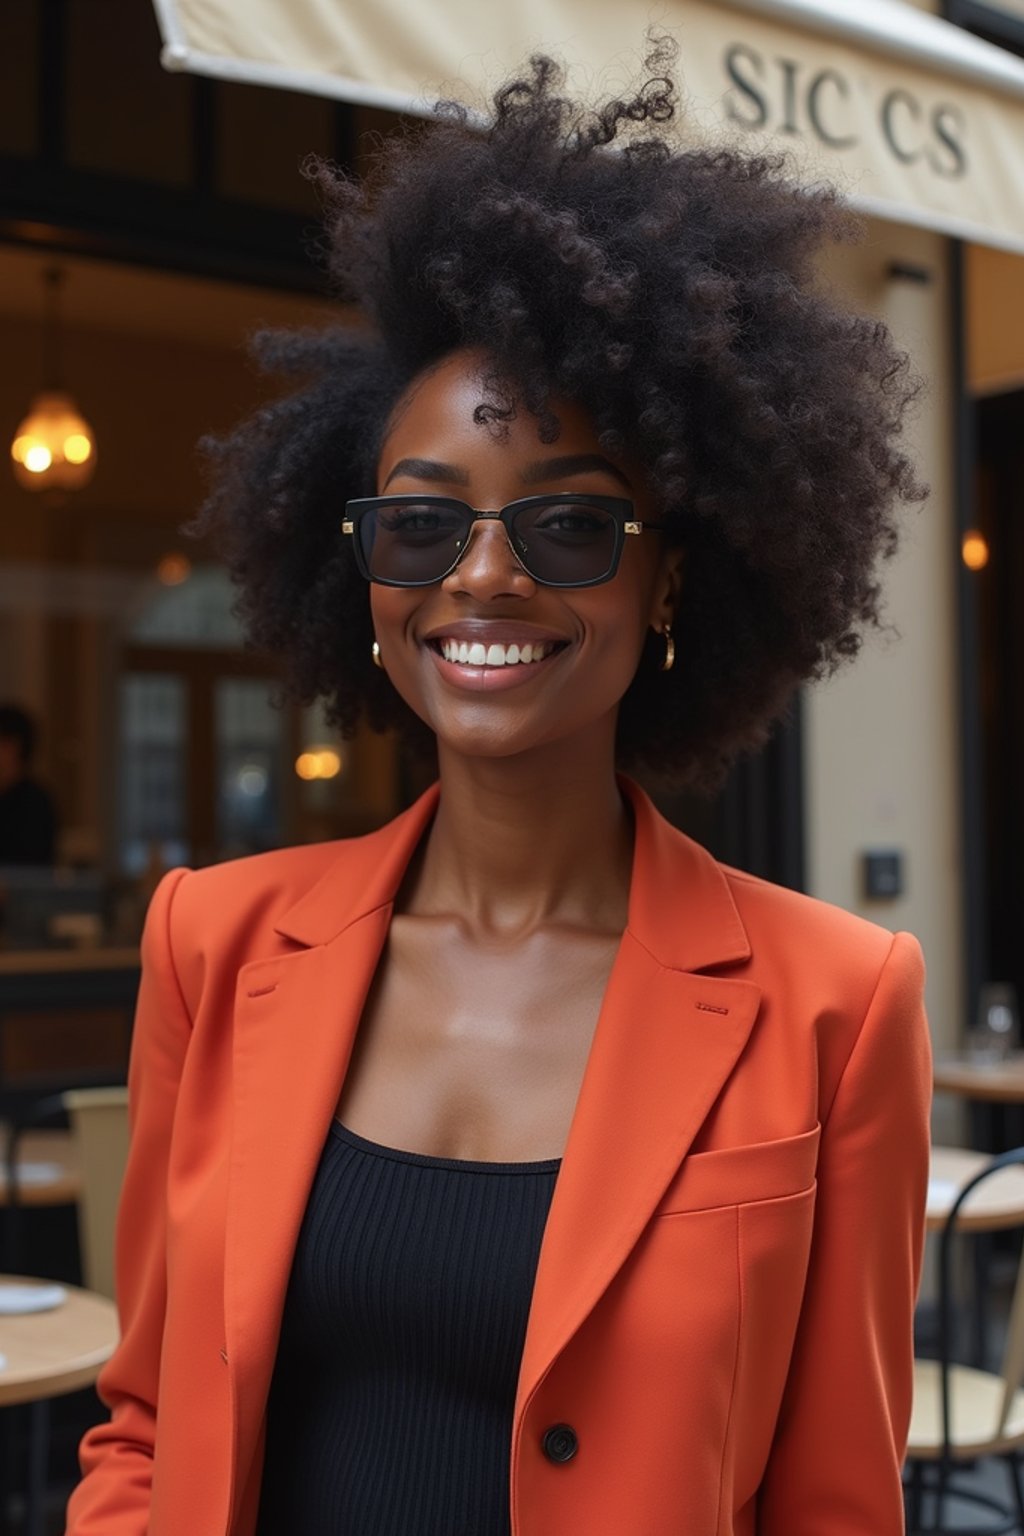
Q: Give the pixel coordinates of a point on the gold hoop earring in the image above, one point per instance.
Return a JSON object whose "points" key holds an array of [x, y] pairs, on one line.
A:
{"points": [[670, 649], [375, 652]]}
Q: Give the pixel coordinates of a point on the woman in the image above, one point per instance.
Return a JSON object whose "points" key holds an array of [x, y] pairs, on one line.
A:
{"points": [[518, 1167]]}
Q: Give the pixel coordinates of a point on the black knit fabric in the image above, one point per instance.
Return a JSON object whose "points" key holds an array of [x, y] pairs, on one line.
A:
{"points": [[390, 1409]]}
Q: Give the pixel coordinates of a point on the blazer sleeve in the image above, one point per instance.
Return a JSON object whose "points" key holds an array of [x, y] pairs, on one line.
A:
{"points": [[835, 1463], [116, 1457]]}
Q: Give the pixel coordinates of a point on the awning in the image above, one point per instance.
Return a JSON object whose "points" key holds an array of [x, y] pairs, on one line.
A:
{"points": [[915, 119]]}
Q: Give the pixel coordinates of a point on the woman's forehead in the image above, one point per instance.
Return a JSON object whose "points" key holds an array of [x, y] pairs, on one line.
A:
{"points": [[458, 412]]}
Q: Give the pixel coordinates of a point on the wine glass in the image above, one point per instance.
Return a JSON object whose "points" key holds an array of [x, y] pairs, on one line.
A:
{"points": [[996, 1032]]}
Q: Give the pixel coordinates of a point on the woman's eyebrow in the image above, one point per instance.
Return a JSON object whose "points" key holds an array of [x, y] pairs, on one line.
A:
{"points": [[429, 469], [572, 464]]}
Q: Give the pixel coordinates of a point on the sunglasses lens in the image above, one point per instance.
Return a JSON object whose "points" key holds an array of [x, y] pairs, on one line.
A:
{"points": [[565, 543], [411, 542], [561, 543]]}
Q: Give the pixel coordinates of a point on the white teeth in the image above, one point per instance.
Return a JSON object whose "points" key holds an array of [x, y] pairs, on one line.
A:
{"points": [[476, 654]]}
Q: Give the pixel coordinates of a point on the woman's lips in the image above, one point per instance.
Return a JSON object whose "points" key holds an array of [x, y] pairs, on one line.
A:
{"points": [[487, 679]]}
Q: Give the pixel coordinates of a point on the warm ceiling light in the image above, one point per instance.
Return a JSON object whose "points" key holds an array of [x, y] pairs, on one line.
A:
{"points": [[54, 447], [974, 550], [37, 457]]}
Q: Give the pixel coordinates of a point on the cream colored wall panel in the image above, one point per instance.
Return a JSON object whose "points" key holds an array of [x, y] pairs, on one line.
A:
{"points": [[995, 320], [881, 740]]}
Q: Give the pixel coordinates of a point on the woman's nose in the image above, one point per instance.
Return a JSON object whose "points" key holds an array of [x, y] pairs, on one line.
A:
{"points": [[489, 567]]}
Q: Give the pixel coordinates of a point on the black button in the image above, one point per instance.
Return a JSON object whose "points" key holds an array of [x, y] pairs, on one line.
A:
{"points": [[560, 1442]]}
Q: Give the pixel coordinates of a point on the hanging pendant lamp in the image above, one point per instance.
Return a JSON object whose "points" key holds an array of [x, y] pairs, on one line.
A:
{"points": [[54, 447]]}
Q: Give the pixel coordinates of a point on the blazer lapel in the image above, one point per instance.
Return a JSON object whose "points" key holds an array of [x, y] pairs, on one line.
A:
{"points": [[666, 1040], [295, 1021]]}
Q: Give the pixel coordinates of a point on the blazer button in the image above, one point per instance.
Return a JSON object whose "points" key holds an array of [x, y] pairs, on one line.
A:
{"points": [[560, 1442]]}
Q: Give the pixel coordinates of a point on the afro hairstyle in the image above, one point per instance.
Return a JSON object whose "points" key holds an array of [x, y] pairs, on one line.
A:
{"points": [[673, 293]]}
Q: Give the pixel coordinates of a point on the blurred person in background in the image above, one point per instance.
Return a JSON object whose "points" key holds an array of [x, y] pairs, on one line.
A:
{"points": [[28, 815]]}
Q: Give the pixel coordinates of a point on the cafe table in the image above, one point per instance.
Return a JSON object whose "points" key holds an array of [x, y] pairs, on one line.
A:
{"points": [[984, 1081], [44, 1354], [994, 1205]]}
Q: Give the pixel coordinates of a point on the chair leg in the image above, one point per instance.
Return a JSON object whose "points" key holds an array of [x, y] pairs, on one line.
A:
{"points": [[982, 1268], [941, 1481], [39, 1449], [914, 1497], [1014, 1468]]}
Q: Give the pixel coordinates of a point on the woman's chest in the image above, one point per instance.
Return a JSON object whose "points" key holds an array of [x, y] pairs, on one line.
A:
{"points": [[475, 1050]]}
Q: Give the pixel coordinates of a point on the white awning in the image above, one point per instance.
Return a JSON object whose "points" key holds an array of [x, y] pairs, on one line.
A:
{"points": [[915, 119]]}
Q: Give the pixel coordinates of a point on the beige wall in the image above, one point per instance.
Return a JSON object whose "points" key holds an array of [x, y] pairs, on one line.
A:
{"points": [[995, 320], [881, 738]]}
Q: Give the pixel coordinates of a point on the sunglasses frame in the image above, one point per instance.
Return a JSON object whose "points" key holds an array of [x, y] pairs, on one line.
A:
{"points": [[620, 508]]}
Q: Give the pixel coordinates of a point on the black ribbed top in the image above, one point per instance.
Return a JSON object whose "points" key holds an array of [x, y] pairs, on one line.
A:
{"points": [[390, 1410]]}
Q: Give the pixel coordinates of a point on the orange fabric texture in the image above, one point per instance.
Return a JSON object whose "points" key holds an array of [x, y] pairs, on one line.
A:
{"points": [[723, 1304]]}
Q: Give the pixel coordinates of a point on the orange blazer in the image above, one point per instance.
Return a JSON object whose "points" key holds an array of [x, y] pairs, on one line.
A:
{"points": [[723, 1304]]}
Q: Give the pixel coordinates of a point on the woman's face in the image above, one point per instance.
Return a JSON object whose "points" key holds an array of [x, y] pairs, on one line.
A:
{"points": [[595, 634]]}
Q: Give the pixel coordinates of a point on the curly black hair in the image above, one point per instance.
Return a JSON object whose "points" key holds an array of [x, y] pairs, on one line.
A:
{"points": [[670, 292]]}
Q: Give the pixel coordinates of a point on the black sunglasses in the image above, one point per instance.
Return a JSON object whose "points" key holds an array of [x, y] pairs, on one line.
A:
{"points": [[561, 541]]}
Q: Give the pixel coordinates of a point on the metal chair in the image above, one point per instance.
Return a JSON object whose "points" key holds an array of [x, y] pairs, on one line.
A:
{"points": [[98, 1120], [961, 1413]]}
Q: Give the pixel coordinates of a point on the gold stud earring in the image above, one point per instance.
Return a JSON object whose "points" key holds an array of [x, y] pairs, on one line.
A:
{"points": [[375, 651], [670, 648]]}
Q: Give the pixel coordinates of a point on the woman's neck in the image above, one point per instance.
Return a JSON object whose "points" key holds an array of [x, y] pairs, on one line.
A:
{"points": [[524, 841]]}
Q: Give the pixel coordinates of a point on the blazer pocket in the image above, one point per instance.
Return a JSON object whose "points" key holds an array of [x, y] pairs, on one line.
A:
{"points": [[765, 1170]]}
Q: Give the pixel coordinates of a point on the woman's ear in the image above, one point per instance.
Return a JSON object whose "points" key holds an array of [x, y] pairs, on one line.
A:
{"points": [[668, 586]]}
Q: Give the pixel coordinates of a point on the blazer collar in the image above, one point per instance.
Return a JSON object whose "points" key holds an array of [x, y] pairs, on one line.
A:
{"points": [[681, 907]]}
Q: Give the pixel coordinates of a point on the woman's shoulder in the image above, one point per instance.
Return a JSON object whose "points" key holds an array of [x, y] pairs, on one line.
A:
{"points": [[237, 908], [820, 932]]}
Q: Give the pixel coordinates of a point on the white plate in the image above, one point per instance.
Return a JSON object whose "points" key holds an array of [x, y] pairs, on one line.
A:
{"points": [[38, 1174], [16, 1299]]}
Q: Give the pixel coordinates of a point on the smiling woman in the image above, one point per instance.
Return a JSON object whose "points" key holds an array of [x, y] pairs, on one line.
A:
{"points": [[518, 1168]]}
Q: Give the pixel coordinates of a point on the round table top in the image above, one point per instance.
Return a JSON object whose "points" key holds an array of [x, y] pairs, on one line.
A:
{"points": [[997, 1203], [49, 1353], [997, 1081]]}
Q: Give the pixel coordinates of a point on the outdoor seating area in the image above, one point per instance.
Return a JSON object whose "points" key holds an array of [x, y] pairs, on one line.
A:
{"points": [[54, 1335]]}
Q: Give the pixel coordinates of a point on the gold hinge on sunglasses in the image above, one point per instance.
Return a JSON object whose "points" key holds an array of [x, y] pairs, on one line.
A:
{"points": [[632, 527], [347, 527]]}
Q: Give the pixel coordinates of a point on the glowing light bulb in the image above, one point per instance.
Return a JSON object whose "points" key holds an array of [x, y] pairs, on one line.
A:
{"points": [[318, 763], [974, 550], [54, 446]]}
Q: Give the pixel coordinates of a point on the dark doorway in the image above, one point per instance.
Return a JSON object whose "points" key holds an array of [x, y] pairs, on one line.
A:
{"points": [[999, 502], [755, 822]]}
